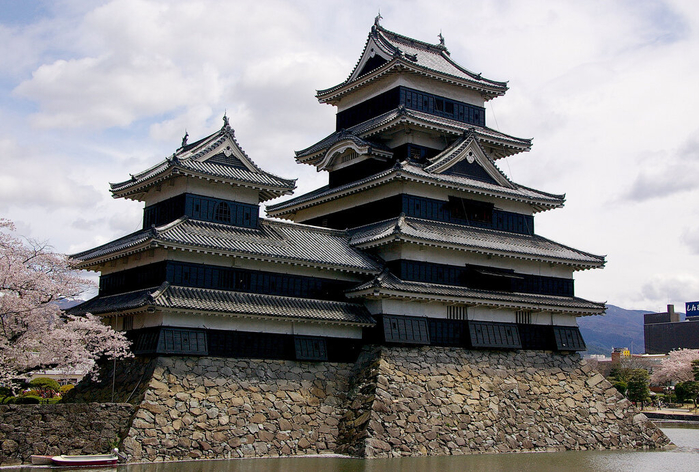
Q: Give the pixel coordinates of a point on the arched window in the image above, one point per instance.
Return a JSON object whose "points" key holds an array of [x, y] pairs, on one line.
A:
{"points": [[222, 213]]}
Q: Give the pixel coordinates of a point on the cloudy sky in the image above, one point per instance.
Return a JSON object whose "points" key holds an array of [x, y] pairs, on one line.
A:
{"points": [[91, 91]]}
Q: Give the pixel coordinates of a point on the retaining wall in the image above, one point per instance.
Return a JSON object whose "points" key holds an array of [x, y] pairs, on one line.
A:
{"points": [[60, 429], [395, 401]]}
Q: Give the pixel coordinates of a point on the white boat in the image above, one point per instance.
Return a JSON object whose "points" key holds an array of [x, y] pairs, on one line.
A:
{"points": [[88, 459]]}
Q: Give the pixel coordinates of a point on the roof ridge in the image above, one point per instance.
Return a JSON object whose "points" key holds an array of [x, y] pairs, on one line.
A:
{"points": [[411, 41]]}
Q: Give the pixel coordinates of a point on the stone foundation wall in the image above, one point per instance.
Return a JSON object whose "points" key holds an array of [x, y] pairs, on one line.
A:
{"points": [[392, 402], [60, 429], [441, 401], [213, 408]]}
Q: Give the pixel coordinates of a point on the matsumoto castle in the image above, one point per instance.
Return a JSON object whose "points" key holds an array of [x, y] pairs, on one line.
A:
{"points": [[418, 238]]}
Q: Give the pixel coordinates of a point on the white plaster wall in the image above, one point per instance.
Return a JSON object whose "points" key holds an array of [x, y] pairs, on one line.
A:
{"points": [[439, 310], [412, 188], [135, 260], [159, 255], [194, 320], [207, 188], [423, 253], [413, 81], [230, 261]]}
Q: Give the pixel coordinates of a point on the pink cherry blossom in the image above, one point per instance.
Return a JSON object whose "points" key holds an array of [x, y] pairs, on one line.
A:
{"points": [[676, 367], [34, 333]]}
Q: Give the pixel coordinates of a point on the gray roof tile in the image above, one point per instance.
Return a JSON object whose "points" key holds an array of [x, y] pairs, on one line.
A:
{"points": [[229, 303], [388, 285], [188, 161], [430, 58], [509, 144], [469, 238], [409, 171], [272, 240]]}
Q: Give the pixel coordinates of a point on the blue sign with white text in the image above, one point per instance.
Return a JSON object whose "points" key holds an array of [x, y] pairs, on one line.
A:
{"points": [[692, 308]]}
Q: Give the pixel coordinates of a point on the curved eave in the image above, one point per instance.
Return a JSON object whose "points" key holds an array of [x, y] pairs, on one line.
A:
{"points": [[384, 240], [256, 316], [156, 304], [506, 145], [136, 191], [93, 263], [401, 65], [262, 258], [500, 145], [123, 313], [283, 210], [377, 293]]}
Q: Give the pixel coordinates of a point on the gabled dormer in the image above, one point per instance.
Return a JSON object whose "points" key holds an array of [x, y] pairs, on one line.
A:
{"points": [[466, 157], [390, 59], [212, 179]]}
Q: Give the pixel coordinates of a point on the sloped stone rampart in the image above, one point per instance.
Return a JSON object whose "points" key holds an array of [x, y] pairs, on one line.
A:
{"points": [[60, 429], [441, 401], [213, 408], [394, 401]]}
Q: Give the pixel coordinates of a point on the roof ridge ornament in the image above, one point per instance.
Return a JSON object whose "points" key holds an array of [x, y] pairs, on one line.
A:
{"points": [[184, 138], [441, 38], [225, 120]]}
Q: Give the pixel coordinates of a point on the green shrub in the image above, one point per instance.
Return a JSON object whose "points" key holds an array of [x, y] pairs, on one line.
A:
{"points": [[26, 400], [46, 387]]}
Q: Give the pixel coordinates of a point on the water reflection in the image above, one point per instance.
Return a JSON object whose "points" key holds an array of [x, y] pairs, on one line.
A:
{"points": [[684, 458]]}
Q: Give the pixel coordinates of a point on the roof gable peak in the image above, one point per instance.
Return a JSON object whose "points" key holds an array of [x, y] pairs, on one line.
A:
{"points": [[221, 147], [468, 149]]}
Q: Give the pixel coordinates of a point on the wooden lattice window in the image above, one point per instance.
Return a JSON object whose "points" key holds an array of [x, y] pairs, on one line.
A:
{"points": [[222, 213], [406, 329], [310, 349], [494, 335], [568, 338], [524, 316], [457, 312]]}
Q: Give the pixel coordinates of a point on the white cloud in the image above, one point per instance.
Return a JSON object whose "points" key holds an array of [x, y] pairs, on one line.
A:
{"points": [[35, 178], [603, 87], [670, 287]]}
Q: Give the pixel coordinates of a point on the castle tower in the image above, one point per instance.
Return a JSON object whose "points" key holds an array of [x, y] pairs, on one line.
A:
{"points": [[207, 276], [413, 178]]}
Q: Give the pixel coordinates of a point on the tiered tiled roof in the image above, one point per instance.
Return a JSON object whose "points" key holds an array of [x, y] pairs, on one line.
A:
{"points": [[228, 303], [219, 158], [408, 171], [274, 241], [498, 144], [413, 56], [471, 239], [388, 285]]}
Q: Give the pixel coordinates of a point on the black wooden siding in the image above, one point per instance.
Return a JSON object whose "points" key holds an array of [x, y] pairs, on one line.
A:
{"points": [[413, 100], [240, 344], [481, 277], [221, 278], [201, 208], [391, 329], [407, 330], [456, 211]]}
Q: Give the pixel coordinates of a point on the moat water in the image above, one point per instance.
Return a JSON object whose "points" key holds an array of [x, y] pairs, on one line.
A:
{"points": [[684, 458]]}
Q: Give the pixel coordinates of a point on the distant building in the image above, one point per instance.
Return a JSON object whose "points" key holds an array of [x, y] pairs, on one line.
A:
{"points": [[622, 358], [664, 332]]}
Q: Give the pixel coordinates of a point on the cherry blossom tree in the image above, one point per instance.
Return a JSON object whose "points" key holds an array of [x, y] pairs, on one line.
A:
{"points": [[676, 367], [34, 333]]}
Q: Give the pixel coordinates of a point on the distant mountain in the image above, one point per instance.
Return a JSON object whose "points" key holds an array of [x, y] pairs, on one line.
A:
{"points": [[618, 328]]}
